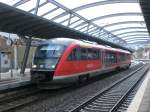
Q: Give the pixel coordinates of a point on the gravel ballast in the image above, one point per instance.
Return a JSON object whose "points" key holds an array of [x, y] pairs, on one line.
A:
{"points": [[67, 98]]}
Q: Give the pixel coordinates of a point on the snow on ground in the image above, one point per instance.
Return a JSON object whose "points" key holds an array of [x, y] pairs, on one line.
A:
{"points": [[14, 74]]}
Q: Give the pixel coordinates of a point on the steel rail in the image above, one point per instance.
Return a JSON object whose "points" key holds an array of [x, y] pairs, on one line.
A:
{"points": [[122, 99], [102, 92]]}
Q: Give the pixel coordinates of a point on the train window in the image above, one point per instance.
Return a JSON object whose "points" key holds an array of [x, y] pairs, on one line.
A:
{"points": [[123, 57], [111, 58], [90, 54], [93, 54], [84, 53], [49, 51], [102, 55], [74, 54]]}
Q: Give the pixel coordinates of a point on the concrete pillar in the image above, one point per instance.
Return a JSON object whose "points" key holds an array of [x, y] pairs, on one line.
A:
{"points": [[15, 57]]}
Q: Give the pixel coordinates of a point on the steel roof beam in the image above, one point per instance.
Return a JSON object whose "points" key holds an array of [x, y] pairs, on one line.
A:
{"points": [[146, 12], [130, 32], [96, 32], [66, 19], [136, 35], [83, 23], [93, 31], [71, 11], [39, 6], [82, 27], [97, 4], [137, 38], [126, 28], [46, 13], [27, 31], [75, 22], [117, 14], [138, 41], [20, 3], [103, 3], [124, 22]]}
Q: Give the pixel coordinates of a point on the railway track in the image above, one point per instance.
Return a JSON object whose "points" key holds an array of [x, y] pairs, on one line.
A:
{"points": [[10, 103], [111, 98], [24, 98], [14, 99]]}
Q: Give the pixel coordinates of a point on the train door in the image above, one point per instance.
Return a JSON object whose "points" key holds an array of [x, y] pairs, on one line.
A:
{"points": [[103, 58], [72, 64], [77, 63]]}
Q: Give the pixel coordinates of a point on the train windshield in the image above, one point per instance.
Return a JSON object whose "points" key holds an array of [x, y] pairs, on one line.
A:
{"points": [[49, 51]]}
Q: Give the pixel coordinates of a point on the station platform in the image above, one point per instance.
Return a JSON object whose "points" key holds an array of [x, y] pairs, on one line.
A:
{"points": [[141, 101], [13, 83], [17, 80]]}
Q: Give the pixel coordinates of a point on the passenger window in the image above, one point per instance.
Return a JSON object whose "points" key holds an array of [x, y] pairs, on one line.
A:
{"points": [[93, 54], [111, 58], [73, 55], [84, 55]]}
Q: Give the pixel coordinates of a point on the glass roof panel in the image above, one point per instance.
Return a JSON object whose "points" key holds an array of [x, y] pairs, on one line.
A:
{"points": [[84, 29], [43, 1], [53, 14], [91, 12], [82, 26], [65, 23], [45, 8], [76, 3], [125, 25], [74, 19], [9, 2], [147, 36], [133, 34], [62, 18], [28, 5], [135, 41], [116, 19], [88, 13], [77, 23], [128, 30]]}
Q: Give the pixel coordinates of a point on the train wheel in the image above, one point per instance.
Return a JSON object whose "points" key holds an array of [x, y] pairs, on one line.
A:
{"points": [[83, 78]]}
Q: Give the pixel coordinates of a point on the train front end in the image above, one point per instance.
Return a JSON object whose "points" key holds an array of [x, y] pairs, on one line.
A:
{"points": [[45, 61]]}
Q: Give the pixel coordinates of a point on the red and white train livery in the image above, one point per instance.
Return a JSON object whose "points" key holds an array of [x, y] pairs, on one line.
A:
{"points": [[63, 60]]}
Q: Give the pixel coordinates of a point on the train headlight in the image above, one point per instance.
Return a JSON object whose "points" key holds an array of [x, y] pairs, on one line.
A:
{"points": [[53, 66], [34, 66]]}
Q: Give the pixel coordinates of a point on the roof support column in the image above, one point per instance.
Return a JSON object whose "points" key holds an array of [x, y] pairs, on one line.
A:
{"points": [[87, 30], [69, 21], [26, 54], [37, 7], [99, 34], [28, 44]]}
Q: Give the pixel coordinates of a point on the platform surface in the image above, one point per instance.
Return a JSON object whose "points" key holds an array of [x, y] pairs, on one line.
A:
{"points": [[145, 103], [13, 79], [13, 83], [141, 101]]}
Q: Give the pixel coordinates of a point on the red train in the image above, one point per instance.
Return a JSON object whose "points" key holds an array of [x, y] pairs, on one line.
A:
{"points": [[63, 60]]}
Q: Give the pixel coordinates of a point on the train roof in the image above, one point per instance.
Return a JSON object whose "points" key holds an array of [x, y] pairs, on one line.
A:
{"points": [[68, 41]]}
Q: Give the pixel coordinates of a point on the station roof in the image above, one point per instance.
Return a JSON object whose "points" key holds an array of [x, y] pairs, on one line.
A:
{"points": [[145, 5], [112, 21], [22, 23]]}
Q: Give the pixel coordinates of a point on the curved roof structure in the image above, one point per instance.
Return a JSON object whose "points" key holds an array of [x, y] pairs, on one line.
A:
{"points": [[117, 21]]}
